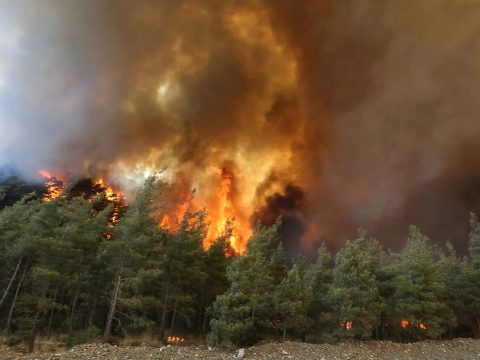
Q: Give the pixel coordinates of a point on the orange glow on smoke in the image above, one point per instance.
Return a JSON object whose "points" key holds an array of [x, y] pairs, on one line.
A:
{"points": [[45, 174]]}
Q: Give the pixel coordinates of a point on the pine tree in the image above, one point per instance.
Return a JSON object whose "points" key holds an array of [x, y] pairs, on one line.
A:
{"points": [[292, 300], [13, 254], [216, 262], [418, 292], [474, 242], [245, 308], [279, 264], [320, 276], [183, 275], [472, 275], [355, 297], [79, 239], [453, 274], [126, 252], [39, 243]]}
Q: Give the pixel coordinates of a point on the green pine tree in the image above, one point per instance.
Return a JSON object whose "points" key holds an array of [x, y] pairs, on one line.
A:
{"points": [[355, 296], [419, 291]]}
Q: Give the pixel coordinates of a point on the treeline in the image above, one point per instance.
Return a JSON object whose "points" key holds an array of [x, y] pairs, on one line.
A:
{"points": [[64, 270]]}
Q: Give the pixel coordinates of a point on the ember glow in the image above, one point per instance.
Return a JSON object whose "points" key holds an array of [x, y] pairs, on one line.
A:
{"points": [[347, 325], [405, 324], [175, 340]]}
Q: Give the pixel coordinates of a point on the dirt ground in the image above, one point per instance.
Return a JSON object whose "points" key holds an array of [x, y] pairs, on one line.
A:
{"points": [[457, 349]]}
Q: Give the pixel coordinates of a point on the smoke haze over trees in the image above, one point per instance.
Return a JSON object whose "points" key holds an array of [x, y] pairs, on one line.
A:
{"points": [[366, 109]]}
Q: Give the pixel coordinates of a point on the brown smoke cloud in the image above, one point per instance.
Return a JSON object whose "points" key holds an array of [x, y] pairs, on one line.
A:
{"points": [[334, 114]]}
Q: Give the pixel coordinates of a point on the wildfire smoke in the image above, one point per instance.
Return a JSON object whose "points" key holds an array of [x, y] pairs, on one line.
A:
{"points": [[333, 115]]}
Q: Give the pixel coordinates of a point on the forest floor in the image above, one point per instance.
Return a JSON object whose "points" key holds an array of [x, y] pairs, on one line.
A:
{"points": [[457, 349]]}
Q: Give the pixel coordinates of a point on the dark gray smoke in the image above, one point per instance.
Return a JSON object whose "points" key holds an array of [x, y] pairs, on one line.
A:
{"points": [[369, 108]]}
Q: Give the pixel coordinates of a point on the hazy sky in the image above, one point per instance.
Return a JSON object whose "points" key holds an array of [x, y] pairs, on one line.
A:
{"points": [[336, 114]]}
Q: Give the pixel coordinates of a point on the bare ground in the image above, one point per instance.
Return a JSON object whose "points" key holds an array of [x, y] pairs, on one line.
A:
{"points": [[457, 349]]}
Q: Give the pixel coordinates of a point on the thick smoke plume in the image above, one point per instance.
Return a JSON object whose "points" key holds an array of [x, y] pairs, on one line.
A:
{"points": [[333, 114]]}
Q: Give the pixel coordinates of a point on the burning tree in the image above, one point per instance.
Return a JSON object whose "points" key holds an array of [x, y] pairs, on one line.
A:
{"points": [[246, 307], [134, 238], [355, 295], [419, 292], [59, 274]]}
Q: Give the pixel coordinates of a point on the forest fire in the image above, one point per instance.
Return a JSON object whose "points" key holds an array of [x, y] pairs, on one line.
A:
{"points": [[175, 339], [225, 214], [221, 212], [110, 193], [347, 325], [220, 207], [54, 186], [405, 324]]}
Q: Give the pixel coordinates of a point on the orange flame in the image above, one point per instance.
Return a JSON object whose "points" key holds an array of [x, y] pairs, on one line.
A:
{"points": [[225, 213], [220, 207], [114, 196], [184, 200], [405, 323], [110, 193], [348, 324], [54, 186], [174, 339]]}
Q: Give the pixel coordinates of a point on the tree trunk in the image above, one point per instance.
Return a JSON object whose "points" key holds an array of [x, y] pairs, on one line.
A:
{"points": [[12, 279], [31, 339], [284, 330], [173, 316], [204, 325], [478, 327], [254, 296], [164, 316], [17, 291], [72, 314], [50, 320], [36, 321], [91, 313], [113, 304]]}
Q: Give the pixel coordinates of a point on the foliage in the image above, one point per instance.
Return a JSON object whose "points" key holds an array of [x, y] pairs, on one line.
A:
{"points": [[60, 274]]}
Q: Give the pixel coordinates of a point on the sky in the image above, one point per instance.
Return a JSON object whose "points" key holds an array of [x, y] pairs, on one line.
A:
{"points": [[334, 115]]}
